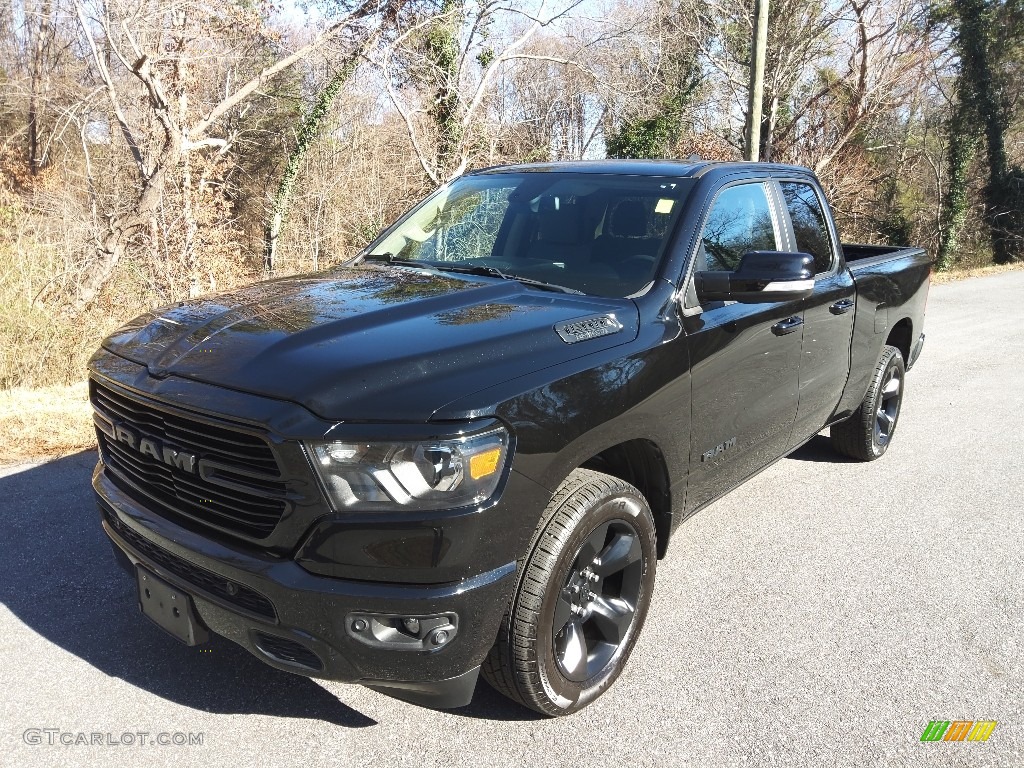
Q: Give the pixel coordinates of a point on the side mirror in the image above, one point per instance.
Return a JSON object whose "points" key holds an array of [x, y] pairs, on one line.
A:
{"points": [[762, 277]]}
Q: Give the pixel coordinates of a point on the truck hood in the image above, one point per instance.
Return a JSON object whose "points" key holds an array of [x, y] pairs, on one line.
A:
{"points": [[370, 343]]}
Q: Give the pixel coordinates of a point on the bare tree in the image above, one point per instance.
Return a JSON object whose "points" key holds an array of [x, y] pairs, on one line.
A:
{"points": [[155, 50], [886, 62], [441, 74], [38, 78]]}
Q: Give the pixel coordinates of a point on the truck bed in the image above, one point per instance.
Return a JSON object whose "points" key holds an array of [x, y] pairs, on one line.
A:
{"points": [[859, 255], [892, 288]]}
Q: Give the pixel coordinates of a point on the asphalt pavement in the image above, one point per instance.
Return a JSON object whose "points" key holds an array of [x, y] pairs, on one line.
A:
{"points": [[821, 615]]}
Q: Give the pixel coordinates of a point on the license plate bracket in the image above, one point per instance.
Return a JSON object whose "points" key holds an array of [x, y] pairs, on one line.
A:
{"points": [[169, 608]]}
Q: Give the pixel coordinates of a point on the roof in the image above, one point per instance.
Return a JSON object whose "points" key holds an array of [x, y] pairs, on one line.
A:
{"points": [[694, 167]]}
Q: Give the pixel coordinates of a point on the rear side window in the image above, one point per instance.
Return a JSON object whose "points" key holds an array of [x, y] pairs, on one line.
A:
{"points": [[808, 223], [740, 221]]}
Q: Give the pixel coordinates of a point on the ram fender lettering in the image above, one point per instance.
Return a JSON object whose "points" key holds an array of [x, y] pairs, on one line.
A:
{"points": [[718, 450]]}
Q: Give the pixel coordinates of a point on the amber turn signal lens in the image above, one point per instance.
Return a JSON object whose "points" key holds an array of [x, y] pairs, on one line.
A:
{"points": [[484, 464]]}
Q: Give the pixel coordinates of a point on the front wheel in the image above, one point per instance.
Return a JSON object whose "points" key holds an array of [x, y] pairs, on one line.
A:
{"points": [[582, 597], [866, 435]]}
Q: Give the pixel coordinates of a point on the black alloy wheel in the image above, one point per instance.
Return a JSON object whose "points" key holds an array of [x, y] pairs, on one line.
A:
{"points": [[597, 603], [890, 395], [867, 434], [582, 595]]}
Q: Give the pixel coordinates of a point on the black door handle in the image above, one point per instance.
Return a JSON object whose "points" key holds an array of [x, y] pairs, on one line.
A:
{"points": [[788, 325], [842, 307]]}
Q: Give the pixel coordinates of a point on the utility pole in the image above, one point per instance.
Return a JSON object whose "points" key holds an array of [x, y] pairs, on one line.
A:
{"points": [[756, 91]]}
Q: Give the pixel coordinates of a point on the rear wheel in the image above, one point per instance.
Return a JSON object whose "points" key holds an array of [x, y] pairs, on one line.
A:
{"points": [[582, 597], [866, 435]]}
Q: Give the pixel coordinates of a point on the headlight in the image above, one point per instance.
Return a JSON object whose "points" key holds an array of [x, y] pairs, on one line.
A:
{"points": [[421, 475]]}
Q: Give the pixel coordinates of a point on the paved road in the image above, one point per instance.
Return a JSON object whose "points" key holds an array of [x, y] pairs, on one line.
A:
{"points": [[820, 615]]}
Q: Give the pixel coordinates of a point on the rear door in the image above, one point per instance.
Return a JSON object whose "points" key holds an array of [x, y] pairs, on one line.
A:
{"points": [[744, 357], [828, 313]]}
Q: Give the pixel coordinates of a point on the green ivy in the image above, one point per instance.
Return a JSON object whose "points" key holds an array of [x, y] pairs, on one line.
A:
{"points": [[305, 137], [989, 33], [442, 47], [654, 137], [896, 227]]}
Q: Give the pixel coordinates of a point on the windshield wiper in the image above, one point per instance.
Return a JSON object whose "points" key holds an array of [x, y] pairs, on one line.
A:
{"points": [[489, 271], [389, 258]]}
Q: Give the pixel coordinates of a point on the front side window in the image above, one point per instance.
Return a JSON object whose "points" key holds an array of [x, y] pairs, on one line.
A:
{"points": [[740, 221], [809, 225]]}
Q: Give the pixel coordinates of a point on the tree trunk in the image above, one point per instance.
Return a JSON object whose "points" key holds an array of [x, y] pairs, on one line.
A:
{"points": [[963, 144], [443, 51], [36, 86], [979, 75], [120, 230], [310, 128]]}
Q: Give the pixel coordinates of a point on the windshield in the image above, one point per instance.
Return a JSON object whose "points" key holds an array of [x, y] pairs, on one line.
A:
{"points": [[599, 234]]}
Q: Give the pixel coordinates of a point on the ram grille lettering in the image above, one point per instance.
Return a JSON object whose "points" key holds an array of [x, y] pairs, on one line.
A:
{"points": [[148, 446]]}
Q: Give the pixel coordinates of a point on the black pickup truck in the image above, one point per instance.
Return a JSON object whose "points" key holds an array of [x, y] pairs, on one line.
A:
{"points": [[467, 448]]}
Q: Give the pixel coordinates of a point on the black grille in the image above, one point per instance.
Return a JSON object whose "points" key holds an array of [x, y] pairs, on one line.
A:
{"points": [[249, 498], [283, 649], [225, 589]]}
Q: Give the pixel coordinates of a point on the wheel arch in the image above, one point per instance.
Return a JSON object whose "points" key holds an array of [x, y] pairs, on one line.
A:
{"points": [[641, 463], [901, 336]]}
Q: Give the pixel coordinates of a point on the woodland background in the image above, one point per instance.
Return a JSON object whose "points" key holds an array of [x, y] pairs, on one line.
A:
{"points": [[156, 151]]}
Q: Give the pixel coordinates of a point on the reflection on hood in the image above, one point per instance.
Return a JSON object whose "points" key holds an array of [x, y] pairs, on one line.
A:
{"points": [[372, 343]]}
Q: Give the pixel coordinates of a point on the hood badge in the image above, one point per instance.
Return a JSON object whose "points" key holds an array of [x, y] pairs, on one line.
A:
{"points": [[590, 327]]}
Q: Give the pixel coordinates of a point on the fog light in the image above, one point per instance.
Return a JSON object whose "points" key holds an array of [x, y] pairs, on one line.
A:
{"points": [[397, 632], [412, 625]]}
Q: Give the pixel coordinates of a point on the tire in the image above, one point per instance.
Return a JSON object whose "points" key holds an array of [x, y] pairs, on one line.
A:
{"points": [[574, 620], [867, 434]]}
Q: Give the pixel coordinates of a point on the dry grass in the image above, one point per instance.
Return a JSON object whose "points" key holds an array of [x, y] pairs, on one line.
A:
{"points": [[44, 423], [952, 275]]}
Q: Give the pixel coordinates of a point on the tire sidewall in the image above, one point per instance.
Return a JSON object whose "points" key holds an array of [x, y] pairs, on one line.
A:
{"points": [[895, 361], [564, 694]]}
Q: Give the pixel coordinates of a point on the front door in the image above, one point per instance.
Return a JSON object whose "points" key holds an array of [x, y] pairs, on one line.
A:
{"points": [[744, 358]]}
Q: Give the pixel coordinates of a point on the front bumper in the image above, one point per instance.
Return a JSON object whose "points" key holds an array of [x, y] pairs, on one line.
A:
{"points": [[299, 622]]}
